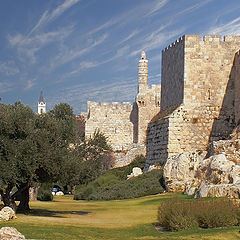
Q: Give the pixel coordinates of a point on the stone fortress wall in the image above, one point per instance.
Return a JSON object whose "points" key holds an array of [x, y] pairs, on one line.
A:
{"points": [[199, 96], [117, 121], [125, 124]]}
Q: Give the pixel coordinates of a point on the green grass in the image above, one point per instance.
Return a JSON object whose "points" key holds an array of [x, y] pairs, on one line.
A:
{"points": [[127, 219]]}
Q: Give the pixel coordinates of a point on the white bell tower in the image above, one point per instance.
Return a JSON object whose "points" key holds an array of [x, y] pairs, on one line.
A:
{"points": [[41, 104]]}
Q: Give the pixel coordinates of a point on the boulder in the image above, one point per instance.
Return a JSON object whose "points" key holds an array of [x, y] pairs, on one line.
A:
{"points": [[213, 176], [10, 233], [220, 190], [7, 213], [180, 169], [136, 171]]}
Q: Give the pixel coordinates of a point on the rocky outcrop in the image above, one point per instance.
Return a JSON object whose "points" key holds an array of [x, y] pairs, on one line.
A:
{"points": [[125, 157], [180, 170], [10, 233], [204, 175], [7, 213]]}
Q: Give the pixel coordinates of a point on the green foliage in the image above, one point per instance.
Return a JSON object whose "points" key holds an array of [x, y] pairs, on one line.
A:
{"points": [[44, 192], [179, 214], [111, 187], [34, 147], [106, 181], [63, 113], [122, 172], [96, 157]]}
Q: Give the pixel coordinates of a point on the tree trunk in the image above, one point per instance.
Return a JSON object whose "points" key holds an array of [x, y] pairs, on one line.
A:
{"points": [[7, 199], [24, 200]]}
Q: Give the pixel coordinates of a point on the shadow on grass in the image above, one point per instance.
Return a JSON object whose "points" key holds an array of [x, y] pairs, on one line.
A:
{"points": [[48, 213]]}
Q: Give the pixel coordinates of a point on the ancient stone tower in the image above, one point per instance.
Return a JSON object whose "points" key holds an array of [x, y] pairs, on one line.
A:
{"points": [[148, 99], [41, 104], [125, 124], [199, 96]]}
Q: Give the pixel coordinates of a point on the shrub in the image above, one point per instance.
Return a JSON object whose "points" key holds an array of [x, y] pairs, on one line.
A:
{"points": [[113, 181], [45, 192], [143, 185], [84, 191], [177, 214]]}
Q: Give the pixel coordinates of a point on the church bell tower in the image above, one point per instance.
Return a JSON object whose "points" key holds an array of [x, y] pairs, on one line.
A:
{"points": [[41, 104]]}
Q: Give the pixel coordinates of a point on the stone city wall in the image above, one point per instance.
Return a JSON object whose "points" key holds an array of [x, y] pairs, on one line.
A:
{"points": [[207, 110], [114, 120]]}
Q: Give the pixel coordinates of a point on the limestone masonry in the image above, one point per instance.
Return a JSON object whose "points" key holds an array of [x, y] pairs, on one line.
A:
{"points": [[125, 124], [198, 101]]}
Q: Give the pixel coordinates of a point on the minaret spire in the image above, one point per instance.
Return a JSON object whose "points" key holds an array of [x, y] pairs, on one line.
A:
{"points": [[143, 72]]}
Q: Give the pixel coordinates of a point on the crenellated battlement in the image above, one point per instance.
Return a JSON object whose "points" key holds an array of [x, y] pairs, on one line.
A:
{"points": [[109, 107], [107, 104], [205, 39], [175, 44]]}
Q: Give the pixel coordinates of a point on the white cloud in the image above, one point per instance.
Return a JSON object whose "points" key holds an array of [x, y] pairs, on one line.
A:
{"points": [[229, 28], [118, 90], [6, 87], [156, 7], [146, 9], [30, 84], [67, 55], [155, 40], [194, 7], [48, 17], [27, 47], [130, 36], [8, 68]]}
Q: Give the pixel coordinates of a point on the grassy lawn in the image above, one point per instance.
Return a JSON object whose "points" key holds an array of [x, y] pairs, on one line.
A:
{"points": [[65, 218]]}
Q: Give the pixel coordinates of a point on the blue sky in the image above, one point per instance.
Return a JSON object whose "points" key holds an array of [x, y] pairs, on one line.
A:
{"points": [[80, 50]]}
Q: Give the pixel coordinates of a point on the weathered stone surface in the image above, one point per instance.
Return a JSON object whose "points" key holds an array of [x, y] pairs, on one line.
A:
{"points": [[123, 158], [199, 96], [10, 233], [7, 213], [220, 190], [125, 124], [216, 175], [180, 170]]}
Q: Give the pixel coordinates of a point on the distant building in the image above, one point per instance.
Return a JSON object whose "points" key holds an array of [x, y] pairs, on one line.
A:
{"points": [[41, 104]]}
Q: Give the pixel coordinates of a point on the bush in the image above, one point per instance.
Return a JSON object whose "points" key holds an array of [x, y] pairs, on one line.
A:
{"points": [[177, 214], [83, 192], [45, 192], [143, 185], [114, 180]]}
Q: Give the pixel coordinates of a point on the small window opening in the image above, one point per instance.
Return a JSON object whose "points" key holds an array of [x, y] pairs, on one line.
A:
{"points": [[209, 94]]}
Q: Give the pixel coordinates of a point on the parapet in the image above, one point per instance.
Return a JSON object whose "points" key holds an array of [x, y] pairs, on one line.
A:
{"points": [[207, 38], [107, 106], [176, 43]]}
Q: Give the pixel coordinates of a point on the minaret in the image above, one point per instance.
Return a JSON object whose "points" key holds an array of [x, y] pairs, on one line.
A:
{"points": [[41, 104], [142, 73]]}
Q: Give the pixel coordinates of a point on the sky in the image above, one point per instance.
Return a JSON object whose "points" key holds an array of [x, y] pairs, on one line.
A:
{"points": [[88, 50]]}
